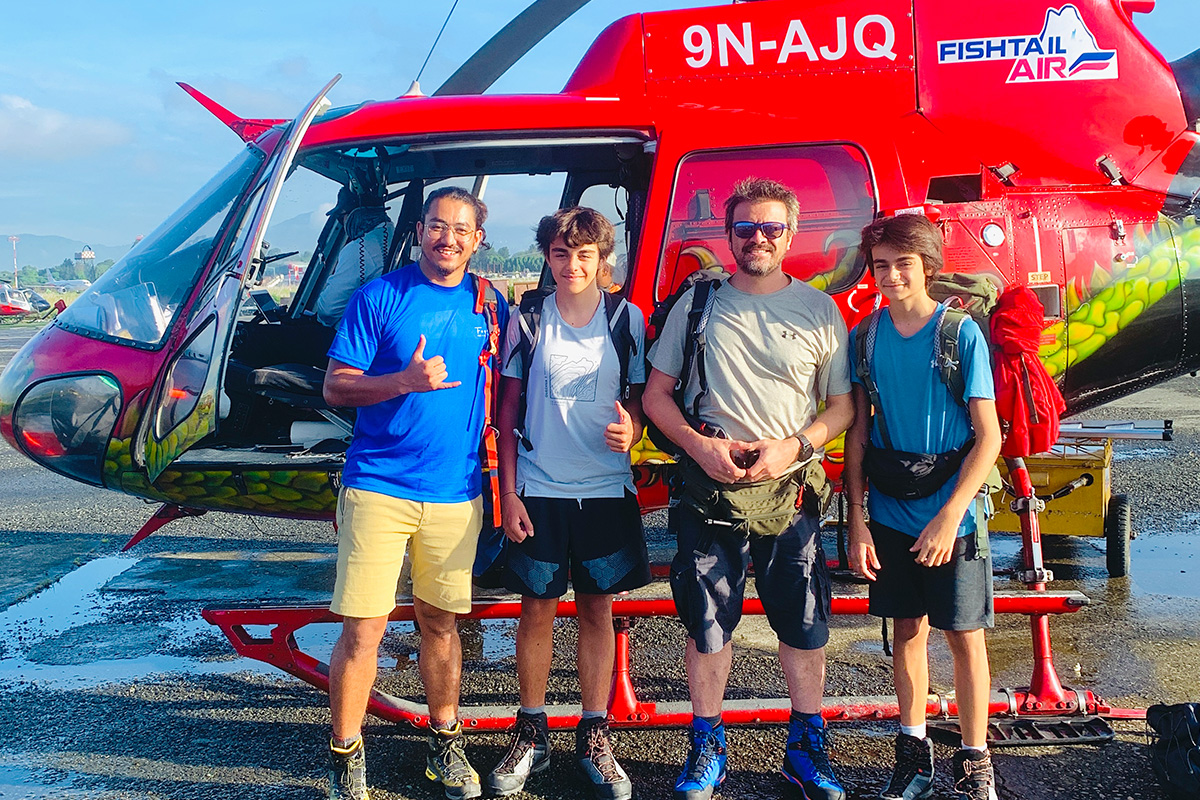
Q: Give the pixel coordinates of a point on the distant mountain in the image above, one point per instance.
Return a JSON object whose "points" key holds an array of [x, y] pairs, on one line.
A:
{"points": [[42, 252]]}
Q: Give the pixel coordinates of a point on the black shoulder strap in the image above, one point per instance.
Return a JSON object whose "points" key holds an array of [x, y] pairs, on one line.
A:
{"points": [[616, 310], [703, 294], [864, 348], [529, 316]]}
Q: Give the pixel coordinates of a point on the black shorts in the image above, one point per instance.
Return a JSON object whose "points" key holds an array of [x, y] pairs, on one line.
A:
{"points": [[597, 541], [790, 574], [956, 596]]}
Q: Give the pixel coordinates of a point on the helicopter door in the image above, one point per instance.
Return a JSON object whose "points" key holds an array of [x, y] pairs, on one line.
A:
{"points": [[184, 408]]}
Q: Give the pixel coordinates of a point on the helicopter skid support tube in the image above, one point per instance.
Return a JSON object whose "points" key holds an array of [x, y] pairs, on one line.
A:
{"points": [[280, 649]]}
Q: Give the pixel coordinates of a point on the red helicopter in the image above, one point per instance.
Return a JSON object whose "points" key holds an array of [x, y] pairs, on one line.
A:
{"points": [[1054, 146]]}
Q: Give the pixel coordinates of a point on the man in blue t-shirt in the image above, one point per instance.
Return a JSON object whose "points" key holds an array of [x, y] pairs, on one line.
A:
{"points": [[407, 355], [924, 555]]}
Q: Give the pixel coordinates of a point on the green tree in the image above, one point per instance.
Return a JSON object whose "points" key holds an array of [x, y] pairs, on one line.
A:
{"points": [[29, 276], [65, 271], [99, 269]]}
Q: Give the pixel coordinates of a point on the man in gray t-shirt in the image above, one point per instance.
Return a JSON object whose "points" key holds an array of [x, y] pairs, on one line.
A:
{"points": [[774, 349]]}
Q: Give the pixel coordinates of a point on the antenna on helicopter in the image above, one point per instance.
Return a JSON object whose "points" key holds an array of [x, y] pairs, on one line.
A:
{"points": [[415, 89]]}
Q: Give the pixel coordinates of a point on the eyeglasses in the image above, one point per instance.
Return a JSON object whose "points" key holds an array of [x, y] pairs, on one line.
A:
{"points": [[771, 230], [460, 231]]}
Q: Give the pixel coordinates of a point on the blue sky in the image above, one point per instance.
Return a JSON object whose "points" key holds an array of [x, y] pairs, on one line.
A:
{"points": [[97, 143]]}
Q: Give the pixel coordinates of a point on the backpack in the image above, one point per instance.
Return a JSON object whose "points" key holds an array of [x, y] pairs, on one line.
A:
{"points": [[967, 296], [705, 283], [946, 357], [616, 310], [1174, 750]]}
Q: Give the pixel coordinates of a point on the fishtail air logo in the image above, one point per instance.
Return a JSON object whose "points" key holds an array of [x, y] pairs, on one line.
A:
{"points": [[1065, 50]]}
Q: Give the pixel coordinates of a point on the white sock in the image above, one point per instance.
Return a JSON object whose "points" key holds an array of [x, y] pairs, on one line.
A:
{"points": [[916, 731], [981, 749]]}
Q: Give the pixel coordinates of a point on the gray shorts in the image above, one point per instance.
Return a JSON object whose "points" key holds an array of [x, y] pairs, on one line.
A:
{"points": [[708, 580], [956, 596]]}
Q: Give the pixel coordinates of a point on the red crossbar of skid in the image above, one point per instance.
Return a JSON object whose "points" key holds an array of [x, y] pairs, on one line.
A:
{"points": [[1044, 696], [625, 709]]}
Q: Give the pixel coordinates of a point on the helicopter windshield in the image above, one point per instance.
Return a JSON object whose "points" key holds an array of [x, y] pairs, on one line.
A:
{"points": [[139, 297]]}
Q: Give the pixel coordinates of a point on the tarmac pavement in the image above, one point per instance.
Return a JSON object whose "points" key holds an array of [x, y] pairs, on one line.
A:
{"points": [[112, 686]]}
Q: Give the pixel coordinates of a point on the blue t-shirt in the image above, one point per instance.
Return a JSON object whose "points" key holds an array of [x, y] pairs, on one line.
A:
{"points": [[922, 415], [422, 446]]}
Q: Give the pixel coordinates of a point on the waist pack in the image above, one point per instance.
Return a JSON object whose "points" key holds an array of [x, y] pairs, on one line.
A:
{"points": [[765, 508], [911, 476]]}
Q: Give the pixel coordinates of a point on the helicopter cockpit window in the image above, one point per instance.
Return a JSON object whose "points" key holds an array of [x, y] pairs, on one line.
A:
{"points": [[139, 297], [342, 208], [832, 182]]}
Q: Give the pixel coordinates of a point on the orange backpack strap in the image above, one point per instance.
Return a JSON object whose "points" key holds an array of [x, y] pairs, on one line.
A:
{"points": [[489, 362]]}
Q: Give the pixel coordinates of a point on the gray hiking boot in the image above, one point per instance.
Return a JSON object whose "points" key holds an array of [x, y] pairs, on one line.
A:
{"points": [[348, 772], [528, 754]]}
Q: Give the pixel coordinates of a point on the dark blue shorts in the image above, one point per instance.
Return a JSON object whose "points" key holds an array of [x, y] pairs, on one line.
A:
{"points": [[597, 542], [956, 596], [708, 580]]}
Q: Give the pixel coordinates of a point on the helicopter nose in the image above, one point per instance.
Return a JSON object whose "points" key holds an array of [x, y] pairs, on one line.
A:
{"points": [[63, 423]]}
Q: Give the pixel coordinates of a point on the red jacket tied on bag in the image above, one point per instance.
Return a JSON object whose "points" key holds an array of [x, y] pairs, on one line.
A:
{"points": [[1027, 400]]}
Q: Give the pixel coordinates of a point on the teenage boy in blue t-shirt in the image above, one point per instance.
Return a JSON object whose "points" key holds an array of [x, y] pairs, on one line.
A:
{"points": [[924, 560], [567, 493], [408, 355]]}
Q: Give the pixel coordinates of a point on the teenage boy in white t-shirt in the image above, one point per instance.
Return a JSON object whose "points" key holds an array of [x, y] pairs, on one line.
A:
{"points": [[567, 493]]}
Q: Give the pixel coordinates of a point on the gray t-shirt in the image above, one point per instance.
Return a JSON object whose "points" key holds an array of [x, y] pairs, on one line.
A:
{"points": [[769, 359], [573, 383]]}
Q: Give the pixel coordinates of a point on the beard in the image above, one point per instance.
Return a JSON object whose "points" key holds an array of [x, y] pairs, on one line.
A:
{"points": [[759, 268]]}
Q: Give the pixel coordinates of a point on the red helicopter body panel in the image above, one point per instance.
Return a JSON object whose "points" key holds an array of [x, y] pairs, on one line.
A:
{"points": [[1048, 139]]}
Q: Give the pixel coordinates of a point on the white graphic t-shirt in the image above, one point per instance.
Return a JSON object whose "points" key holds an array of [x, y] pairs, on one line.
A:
{"points": [[573, 383]]}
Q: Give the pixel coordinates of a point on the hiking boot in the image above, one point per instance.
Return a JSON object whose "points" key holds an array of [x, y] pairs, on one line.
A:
{"points": [[806, 764], [447, 764], [594, 758], [973, 776], [704, 769], [913, 777], [528, 753], [348, 772]]}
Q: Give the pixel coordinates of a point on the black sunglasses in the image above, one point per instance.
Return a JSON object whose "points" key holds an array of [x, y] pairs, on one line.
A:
{"points": [[771, 230]]}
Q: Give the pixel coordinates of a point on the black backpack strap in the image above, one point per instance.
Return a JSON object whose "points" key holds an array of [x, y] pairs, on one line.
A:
{"points": [[616, 310], [947, 355], [529, 315], [703, 295], [864, 348]]}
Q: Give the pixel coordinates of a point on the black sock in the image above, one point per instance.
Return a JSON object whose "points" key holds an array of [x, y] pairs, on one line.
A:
{"points": [[811, 719], [713, 722]]}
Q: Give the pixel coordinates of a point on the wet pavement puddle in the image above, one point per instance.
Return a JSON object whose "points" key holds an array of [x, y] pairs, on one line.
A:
{"points": [[20, 783], [93, 627]]}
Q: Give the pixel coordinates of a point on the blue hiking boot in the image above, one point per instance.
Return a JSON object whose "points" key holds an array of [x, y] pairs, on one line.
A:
{"points": [[704, 769], [806, 764]]}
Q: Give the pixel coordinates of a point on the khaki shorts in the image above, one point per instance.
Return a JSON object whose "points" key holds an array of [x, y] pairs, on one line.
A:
{"points": [[373, 532]]}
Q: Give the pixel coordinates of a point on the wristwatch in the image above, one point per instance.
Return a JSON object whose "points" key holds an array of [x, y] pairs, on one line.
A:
{"points": [[806, 448]]}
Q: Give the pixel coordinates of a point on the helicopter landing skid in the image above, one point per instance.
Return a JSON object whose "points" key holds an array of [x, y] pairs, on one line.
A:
{"points": [[167, 512], [276, 645]]}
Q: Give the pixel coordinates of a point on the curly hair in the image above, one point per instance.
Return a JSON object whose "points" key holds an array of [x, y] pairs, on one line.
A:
{"points": [[577, 226]]}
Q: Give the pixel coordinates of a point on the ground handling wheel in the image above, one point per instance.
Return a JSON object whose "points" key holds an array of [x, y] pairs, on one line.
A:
{"points": [[1118, 524]]}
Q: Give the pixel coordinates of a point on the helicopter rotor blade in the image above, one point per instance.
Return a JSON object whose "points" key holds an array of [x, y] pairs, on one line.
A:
{"points": [[504, 49]]}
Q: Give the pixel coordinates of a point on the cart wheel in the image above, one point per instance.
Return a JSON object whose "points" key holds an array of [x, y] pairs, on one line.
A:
{"points": [[1117, 526]]}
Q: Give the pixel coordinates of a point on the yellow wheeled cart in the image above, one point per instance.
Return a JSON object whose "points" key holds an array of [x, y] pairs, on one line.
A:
{"points": [[1075, 481]]}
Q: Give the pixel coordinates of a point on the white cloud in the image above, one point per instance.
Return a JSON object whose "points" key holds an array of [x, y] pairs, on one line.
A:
{"points": [[27, 130]]}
